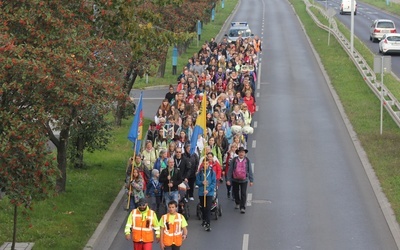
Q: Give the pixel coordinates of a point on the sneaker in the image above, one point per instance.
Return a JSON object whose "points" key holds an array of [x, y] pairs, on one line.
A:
{"points": [[196, 186], [207, 228], [203, 224], [237, 206], [242, 211], [191, 198]]}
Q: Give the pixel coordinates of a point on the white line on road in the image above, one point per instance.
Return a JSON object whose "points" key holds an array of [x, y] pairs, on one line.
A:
{"points": [[253, 144], [245, 245], [252, 168], [249, 198], [255, 124], [258, 94]]}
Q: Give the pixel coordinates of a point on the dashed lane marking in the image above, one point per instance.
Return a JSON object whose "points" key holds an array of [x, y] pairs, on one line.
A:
{"points": [[245, 245]]}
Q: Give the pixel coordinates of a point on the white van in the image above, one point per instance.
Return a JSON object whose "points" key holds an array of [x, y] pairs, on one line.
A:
{"points": [[345, 7]]}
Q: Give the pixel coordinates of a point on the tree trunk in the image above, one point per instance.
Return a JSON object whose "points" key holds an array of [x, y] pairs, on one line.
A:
{"points": [[120, 109], [119, 112], [80, 145], [15, 227], [161, 68], [62, 160]]}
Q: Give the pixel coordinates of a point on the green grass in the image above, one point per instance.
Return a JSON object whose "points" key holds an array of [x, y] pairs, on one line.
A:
{"points": [[381, 4], [361, 106], [69, 220], [209, 30]]}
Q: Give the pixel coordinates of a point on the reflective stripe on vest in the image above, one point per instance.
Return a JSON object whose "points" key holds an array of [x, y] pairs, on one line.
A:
{"points": [[141, 233], [174, 234]]}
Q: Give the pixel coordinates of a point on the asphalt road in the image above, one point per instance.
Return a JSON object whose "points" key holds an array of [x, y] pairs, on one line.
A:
{"points": [[366, 14], [311, 190]]}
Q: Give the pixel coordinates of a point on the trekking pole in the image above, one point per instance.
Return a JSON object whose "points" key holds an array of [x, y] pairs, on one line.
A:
{"points": [[169, 188], [131, 177], [205, 179]]}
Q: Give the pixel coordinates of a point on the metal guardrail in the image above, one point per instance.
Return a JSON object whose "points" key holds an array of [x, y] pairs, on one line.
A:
{"points": [[391, 104]]}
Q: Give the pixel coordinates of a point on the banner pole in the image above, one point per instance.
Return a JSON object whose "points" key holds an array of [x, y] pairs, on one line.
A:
{"points": [[131, 177]]}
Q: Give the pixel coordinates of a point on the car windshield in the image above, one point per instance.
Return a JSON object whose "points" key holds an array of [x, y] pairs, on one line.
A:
{"points": [[385, 25], [237, 32], [393, 38]]}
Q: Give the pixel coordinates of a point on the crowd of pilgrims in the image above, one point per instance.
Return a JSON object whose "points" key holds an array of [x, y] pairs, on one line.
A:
{"points": [[226, 73]]}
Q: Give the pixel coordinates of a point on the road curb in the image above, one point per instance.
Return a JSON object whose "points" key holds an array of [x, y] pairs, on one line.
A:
{"points": [[100, 240], [382, 200]]}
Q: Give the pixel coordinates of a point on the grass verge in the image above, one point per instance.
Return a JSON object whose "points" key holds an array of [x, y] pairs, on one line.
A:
{"points": [[361, 107]]}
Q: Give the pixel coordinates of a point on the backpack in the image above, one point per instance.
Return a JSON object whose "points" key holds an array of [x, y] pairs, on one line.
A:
{"points": [[240, 171]]}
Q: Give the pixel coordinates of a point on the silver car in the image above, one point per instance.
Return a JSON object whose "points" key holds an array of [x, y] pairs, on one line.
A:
{"points": [[379, 27], [390, 43], [238, 29]]}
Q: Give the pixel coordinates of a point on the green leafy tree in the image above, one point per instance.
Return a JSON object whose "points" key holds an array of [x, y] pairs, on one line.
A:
{"points": [[91, 132], [142, 26], [52, 56], [27, 169]]}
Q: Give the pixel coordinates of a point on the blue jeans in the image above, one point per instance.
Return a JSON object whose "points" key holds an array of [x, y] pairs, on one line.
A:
{"points": [[168, 196]]}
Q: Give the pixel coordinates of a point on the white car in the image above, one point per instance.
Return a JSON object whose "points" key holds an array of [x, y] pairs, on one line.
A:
{"points": [[238, 29], [380, 27], [345, 7], [390, 43]]}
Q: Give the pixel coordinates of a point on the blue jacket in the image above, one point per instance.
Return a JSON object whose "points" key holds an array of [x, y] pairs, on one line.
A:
{"points": [[153, 189], [211, 177], [157, 164]]}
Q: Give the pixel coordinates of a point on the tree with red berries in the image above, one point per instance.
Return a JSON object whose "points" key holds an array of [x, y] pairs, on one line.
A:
{"points": [[52, 58]]}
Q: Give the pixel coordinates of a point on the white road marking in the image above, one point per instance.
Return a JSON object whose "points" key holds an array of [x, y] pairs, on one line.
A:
{"points": [[252, 168], [253, 144], [258, 94], [249, 198], [255, 124], [245, 245]]}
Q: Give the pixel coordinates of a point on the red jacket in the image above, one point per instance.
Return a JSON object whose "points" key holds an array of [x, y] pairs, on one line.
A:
{"points": [[251, 104]]}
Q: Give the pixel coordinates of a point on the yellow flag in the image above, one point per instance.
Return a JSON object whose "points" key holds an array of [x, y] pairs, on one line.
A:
{"points": [[201, 120]]}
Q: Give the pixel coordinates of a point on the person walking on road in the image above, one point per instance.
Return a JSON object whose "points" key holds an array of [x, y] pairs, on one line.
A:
{"points": [[194, 162], [206, 179], [170, 178], [140, 227], [239, 175], [173, 228]]}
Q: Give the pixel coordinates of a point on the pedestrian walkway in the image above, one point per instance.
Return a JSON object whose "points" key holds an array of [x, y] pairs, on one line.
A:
{"points": [[18, 246]]}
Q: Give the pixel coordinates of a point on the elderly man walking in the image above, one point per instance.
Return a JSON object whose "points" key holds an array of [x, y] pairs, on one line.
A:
{"points": [[239, 174], [170, 178]]}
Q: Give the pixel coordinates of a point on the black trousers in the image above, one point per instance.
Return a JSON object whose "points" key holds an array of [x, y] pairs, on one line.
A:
{"points": [[239, 191], [191, 182], [206, 210], [172, 247]]}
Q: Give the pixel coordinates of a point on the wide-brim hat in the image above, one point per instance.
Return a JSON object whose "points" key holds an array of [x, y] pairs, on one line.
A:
{"points": [[241, 149]]}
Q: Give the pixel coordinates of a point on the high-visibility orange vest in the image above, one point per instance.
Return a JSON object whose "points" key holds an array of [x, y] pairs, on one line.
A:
{"points": [[142, 226], [174, 234], [257, 45]]}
